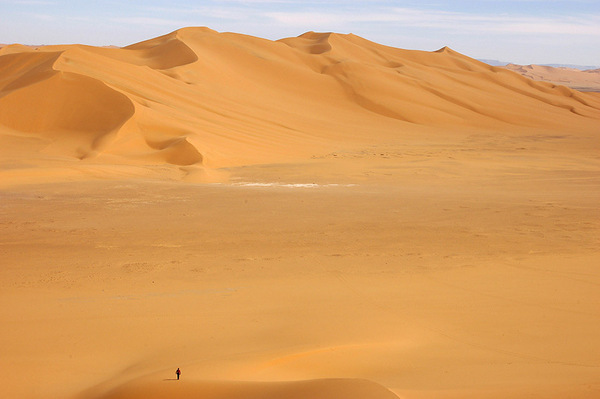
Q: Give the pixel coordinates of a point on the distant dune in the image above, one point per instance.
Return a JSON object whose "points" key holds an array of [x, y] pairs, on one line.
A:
{"points": [[587, 80], [196, 97]]}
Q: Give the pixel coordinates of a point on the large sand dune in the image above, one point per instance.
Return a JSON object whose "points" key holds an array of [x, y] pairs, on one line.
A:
{"points": [[354, 221], [198, 97]]}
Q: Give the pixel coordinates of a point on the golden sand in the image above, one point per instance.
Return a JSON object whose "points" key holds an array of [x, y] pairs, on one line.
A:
{"points": [[588, 80], [320, 216]]}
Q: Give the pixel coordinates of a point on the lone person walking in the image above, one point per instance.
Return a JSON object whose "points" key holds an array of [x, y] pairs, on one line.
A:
{"points": [[178, 372]]}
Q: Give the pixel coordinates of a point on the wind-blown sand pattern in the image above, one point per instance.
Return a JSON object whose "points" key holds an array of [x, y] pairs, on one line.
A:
{"points": [[315, 217]]}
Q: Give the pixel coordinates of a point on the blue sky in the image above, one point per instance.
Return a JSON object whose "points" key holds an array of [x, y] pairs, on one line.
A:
{"points": [[524, 32]]}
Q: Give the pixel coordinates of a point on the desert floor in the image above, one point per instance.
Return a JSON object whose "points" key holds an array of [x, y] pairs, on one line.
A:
{"points": [[453, 270]]}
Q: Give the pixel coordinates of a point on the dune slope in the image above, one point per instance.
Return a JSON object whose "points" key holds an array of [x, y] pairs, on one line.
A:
{"points": [[199, 97], [317, 389], [588, 80]]}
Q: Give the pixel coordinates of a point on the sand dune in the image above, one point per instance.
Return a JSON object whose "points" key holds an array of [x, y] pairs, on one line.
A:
{"points": [[588, 80], [315, 217], [318, 389], [199, 97]]}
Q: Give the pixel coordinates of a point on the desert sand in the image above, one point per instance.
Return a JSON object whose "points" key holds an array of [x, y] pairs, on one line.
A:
{"points": [[587, 80], [315, 217]]}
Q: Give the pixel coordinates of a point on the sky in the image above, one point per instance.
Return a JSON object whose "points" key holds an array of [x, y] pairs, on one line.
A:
{"points": [[522, 32]]}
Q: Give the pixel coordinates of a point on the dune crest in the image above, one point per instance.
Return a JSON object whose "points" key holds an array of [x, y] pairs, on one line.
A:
{"points": [[163, 52], [199, 97]]}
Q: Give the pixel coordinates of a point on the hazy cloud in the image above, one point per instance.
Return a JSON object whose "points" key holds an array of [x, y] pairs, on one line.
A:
{"points": [[149, 21], [453, 21], [549, 30], [30, 2]]}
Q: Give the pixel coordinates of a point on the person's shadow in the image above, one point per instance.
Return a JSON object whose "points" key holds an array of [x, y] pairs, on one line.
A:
{"points": [[170, 379]]}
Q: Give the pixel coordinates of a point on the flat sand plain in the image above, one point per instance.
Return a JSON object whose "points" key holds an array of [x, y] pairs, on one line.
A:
{"points": [[433, 276], [334, 239]]}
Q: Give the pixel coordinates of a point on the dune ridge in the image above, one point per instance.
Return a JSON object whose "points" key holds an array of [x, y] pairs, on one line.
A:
{"points": [[199, 97]]}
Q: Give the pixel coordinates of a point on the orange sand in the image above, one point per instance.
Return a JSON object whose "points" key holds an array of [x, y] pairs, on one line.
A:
{"points": [[588, 80], [319, 217]]}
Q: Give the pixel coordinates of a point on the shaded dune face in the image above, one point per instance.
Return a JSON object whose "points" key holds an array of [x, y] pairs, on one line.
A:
{"points": [[195, 96], [78, 111], [162, 53], [22, 69]]}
